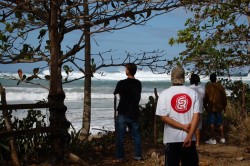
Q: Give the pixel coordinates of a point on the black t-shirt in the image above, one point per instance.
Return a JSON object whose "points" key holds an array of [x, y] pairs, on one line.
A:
{"points": [[130, 95]]}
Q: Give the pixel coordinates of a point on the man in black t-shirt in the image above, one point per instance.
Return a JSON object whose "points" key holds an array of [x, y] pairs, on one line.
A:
{"points": [[129, 91]]}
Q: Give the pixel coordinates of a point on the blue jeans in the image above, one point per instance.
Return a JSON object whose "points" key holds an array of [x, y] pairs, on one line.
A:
{"points": [[121, 124]]}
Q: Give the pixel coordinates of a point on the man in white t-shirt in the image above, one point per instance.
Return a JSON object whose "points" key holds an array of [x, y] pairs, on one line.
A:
{"points": [[179, 108], [195, 85]]}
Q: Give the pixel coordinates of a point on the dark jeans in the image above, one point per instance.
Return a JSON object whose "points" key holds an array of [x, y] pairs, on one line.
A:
{"points": [[122, 123], [175, 153]]}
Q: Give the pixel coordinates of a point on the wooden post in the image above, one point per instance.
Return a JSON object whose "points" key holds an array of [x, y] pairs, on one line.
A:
{"points": [[243, 110], [115, 111], [155, 119], [9, 127]]}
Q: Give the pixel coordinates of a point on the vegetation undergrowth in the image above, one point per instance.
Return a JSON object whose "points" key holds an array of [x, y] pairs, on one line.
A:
{"points": [[237, 115], [29, 146], [238, 125]]}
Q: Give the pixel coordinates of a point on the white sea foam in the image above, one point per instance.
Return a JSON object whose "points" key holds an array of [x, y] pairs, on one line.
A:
{"points": [[144, 76], [38, 96], [118, 75]]}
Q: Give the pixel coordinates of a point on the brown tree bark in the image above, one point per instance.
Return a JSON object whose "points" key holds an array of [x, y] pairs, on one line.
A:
{"points": [[12, 142], [88, 74], [58, 121]]}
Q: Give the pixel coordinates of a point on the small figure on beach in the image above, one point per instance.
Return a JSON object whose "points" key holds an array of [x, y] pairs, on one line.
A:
{"points": [[215, 102], [129, 91], [195, 85], [179, 109]]}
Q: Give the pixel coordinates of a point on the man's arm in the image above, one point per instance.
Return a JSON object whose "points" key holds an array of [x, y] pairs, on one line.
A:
{"points": [[175, 124], [205, 99], [188, 140]]}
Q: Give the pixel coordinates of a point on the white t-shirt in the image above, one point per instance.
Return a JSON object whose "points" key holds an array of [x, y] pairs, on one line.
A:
{"points": [[178, 103], [201, 92]]}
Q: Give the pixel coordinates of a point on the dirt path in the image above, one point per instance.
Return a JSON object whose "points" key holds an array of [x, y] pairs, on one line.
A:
{"points": [[223, 155], [209, 155]]}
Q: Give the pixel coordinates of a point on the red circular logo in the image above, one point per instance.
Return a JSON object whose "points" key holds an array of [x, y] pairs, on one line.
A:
{"points": [[181, 103]]}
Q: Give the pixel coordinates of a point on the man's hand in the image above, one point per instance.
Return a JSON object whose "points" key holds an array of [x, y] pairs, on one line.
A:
{"points": [[187, 142], [186, 127]]}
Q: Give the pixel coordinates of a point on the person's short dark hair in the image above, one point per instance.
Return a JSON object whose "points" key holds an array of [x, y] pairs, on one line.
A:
{"points": [[213, 77], [131, 68], [195, 79]]}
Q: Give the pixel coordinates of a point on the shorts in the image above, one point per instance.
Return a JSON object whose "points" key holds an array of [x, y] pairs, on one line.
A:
{"points": [[214, 118]]}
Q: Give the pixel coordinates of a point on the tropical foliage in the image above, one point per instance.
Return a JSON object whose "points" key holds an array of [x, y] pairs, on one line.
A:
{"points": [[29, 146], [216, 37]]}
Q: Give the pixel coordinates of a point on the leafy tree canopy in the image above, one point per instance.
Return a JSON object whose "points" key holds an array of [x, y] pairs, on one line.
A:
{"points": [[217, 37]]}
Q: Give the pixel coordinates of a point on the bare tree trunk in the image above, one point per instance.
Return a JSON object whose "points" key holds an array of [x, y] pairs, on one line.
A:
{"points": [[88, 74], [243, 111], [60, 137], [58, 121], [9, 127]]}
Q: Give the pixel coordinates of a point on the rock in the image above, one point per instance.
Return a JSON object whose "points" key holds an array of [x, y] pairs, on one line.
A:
{"points": [[240, 158], [154, 155], [247, 150], [158, 159]]}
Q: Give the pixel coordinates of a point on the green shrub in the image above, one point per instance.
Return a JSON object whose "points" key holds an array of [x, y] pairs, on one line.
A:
{"points": [[29, 146], [147, 120]]}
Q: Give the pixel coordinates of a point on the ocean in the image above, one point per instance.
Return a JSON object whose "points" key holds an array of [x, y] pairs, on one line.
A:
{"points": [[102, 98]]}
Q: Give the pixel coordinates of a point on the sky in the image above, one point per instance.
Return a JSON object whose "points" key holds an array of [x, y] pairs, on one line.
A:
{"points": [[152, 36]]}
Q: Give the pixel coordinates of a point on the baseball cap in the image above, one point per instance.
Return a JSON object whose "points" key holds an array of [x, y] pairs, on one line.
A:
{"points": [[178, 75]]}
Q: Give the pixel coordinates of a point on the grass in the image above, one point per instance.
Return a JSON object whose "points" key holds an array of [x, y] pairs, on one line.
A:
{"points": [[239, 125]]}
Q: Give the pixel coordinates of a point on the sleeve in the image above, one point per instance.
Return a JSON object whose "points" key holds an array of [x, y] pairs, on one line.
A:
{"points": [[197, 105], [117, 88], [161, 108]]}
